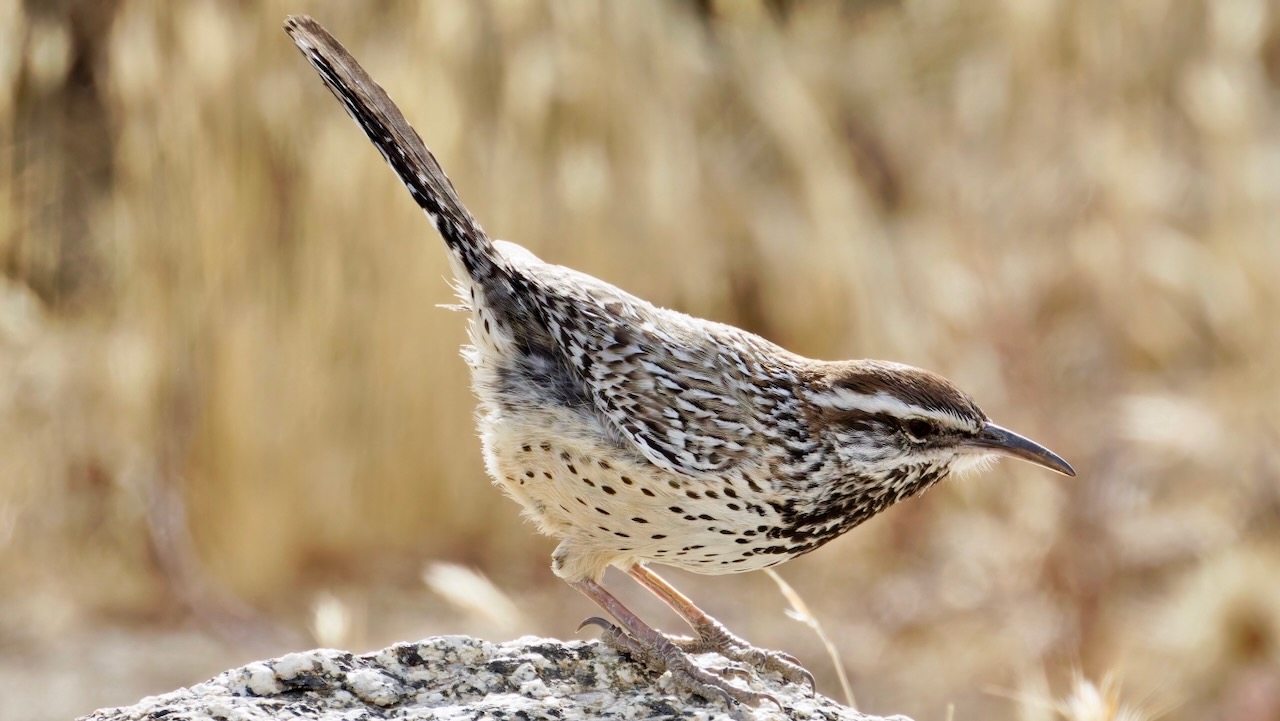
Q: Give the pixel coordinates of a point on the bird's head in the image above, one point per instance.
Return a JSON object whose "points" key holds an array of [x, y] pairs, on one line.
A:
{"points": [[885, 418]]}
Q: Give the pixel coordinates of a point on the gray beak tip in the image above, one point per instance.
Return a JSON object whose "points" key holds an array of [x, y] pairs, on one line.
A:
{"points": [[994, 439]]}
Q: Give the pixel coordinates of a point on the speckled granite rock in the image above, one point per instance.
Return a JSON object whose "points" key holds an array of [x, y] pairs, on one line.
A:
{"points": [[457, 677]]}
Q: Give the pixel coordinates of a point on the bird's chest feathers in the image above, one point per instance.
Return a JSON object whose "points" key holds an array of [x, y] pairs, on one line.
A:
{"points": [[845, 502]]}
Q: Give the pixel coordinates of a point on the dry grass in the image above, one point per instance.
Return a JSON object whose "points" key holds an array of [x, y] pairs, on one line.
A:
{"points": [[216, 298]]}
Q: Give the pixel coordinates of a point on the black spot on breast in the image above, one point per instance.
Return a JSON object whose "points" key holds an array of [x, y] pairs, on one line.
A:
{"points": [[608, 490], [712, 494], [676, 509], [692, 494], [658, 536], [625, 480], [601, 510], [647, 492], [638, 519]]}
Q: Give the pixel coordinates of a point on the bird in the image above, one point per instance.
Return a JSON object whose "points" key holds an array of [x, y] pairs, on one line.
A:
{"points": [[638, 435]]}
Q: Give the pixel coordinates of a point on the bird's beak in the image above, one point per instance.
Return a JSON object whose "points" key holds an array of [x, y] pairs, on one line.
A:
{"points": [[1004, 442]]}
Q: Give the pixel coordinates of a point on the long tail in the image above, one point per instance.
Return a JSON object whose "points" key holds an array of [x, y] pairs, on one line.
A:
{"points": [[370, 106]]}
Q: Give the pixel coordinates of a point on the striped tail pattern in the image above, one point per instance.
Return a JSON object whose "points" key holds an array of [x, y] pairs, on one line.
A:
{"points": [[374, 111]]}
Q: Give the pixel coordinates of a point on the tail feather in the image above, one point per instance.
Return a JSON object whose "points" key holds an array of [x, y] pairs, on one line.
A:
{"points": [[370, 106]]}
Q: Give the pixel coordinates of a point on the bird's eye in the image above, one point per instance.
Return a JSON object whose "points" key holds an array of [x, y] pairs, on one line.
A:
{"points": [[919, 428]]}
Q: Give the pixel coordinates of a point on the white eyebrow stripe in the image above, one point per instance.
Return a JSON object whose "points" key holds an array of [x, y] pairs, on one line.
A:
{"points": [[843, 399]]}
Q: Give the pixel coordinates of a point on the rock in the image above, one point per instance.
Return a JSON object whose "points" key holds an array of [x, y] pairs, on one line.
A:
{"points": [[458, 677]]}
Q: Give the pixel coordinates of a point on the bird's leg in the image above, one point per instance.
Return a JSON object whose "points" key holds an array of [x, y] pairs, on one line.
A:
{"points": [[712, 636], [652, 647]]}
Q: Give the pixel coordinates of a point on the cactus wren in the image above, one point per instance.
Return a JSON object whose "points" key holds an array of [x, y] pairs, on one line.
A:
{"points": [[636, 434]]}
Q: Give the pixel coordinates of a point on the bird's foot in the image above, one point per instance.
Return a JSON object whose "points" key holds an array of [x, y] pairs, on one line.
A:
{"points": [[666, 654], [713, 637]]}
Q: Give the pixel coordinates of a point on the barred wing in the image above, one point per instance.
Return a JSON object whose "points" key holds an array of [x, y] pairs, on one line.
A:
{"points": [[687, 394]]}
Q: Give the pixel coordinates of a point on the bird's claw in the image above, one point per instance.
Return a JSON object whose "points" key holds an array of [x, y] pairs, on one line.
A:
{"points": [[783, 664], [617, 639], [686, 674], [715, 638], [597, 621]]}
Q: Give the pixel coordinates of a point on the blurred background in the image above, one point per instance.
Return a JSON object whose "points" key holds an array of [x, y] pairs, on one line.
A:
{"points": [[233, 422]]}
